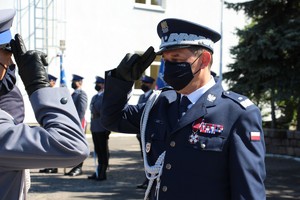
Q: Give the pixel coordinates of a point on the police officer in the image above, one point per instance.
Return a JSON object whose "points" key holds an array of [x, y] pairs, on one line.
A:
{"points": [[199, 141], [11, 99], [147, 87], [52, 80], [58, 141], [99, 133], [80, 100]]}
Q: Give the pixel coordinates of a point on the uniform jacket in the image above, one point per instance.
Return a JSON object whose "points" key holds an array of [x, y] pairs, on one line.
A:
{"points": [[222, 164], [144, 97], [95, 107], [80, 100], [58, 142], [13, 104]]}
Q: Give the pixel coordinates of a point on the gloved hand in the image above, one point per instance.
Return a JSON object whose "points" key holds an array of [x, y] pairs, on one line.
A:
{"points": [[132, 67], [31, 65]]}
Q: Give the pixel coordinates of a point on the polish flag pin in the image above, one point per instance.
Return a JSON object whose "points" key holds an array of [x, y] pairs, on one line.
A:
{"points": [[255, 136]]}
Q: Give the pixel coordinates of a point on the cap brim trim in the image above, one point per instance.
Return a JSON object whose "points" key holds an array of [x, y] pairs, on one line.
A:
{"points": [[5, 37]]}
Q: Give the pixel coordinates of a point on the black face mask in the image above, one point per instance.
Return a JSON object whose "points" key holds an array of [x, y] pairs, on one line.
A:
{"points": [[8, 81], [98, 88], [145, 88], [179, 74], [73, 85]]}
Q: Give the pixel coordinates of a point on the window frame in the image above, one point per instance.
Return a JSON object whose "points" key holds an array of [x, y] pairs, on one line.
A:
{"points": [[147, 6]]}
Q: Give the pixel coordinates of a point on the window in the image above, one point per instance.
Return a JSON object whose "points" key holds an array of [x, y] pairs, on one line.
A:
{"points": [[157, 5], [150, 2], [152, 71]]}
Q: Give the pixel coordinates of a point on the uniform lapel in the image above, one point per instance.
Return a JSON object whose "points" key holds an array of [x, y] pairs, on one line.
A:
{"points": [[200, 108]]}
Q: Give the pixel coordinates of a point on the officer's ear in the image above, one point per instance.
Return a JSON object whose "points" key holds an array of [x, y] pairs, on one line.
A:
{"points": [[205, 59]]}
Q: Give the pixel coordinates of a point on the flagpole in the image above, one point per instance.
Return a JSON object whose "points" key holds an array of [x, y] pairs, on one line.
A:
{"points": [[62, 47], [221, 43]]}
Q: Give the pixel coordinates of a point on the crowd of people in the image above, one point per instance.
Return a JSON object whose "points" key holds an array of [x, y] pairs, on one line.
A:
{"points": [[197, 140]]}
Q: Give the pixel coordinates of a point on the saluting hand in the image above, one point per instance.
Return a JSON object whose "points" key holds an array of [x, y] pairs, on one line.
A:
{"points": [[31, 65], [132, 66]]}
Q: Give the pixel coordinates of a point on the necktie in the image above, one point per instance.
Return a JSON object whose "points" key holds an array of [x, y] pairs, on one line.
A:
{"points": [[183, 106]]}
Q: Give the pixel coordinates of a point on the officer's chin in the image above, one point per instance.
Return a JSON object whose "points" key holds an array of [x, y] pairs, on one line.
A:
{"points": [[185, 91], [189, 88]]}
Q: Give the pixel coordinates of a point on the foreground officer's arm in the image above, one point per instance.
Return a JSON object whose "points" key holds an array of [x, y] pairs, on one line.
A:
{"points": [[116, 114], [60, 141], [247, 153]]}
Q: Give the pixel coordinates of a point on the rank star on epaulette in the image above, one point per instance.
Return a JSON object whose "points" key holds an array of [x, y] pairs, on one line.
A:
{"points": [[246, 103]]}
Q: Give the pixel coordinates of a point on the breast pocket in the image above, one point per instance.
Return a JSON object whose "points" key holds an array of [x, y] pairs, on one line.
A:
{"points": [[211, 143], [206, 143]]}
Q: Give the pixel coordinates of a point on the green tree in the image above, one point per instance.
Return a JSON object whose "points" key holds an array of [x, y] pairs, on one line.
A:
{"points": [[267, 58]]}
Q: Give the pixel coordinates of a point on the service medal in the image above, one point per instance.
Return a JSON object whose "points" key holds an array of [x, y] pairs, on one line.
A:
{"points": [[194, 138]]}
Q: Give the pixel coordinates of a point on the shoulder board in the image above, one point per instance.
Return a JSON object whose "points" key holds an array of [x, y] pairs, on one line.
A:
{"points": [[166, 88], [240, 99]]}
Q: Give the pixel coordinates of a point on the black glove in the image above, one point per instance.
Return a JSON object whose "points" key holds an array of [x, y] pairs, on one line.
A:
{"points": [[31, 65], [132, 67]]}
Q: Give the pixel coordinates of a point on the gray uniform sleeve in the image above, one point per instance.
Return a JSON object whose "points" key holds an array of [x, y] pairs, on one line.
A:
{"points": [[59, 142]]}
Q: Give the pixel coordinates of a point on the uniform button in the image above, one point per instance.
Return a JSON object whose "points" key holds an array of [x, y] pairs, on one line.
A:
{"points": [[172, 143], [164, 188], [203, 146], [64, 100], [168, 166]]}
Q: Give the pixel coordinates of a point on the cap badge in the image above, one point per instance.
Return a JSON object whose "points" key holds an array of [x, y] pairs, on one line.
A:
{"points": [[164, 27]]}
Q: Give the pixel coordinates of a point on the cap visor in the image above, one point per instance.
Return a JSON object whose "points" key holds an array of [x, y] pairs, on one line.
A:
{"points": [[172, 48]]}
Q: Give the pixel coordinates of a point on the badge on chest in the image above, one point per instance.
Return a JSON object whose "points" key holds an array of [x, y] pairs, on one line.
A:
{"points": [[200, 127]]}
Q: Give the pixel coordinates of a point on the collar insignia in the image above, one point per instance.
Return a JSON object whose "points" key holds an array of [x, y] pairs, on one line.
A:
{"points": [[211, 98]]}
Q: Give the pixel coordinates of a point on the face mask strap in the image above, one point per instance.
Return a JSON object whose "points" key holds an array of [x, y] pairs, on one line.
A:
{"points": [[195, 61], [3, 66]]}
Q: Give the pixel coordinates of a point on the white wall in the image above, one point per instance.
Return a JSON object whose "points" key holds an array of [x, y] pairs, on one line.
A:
{"points": [[100, 32]]}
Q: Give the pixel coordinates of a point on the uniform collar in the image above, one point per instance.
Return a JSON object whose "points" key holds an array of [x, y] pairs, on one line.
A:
{"points": [[194, 96], [100, 92], [148, 93]]}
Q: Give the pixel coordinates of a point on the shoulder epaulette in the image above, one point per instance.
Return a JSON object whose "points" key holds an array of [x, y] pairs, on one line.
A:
{"points": [[166, 88], [240, 99]]}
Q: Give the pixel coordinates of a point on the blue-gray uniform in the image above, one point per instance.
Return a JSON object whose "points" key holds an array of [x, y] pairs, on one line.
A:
{"points": [[80, 100], [144, 97], [13, 104], [58, 143], [96, 103], [222, 164], [99, 133]]}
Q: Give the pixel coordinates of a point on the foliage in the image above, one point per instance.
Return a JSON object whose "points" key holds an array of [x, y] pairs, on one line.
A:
{"points": [[267, 64]]}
